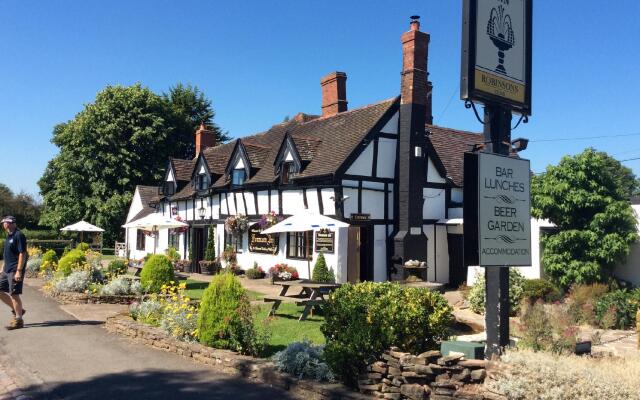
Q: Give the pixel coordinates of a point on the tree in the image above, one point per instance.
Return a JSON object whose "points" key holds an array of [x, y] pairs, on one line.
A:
{"points": [[22, 206], [587, 198], [190, 108], [123, 139]]}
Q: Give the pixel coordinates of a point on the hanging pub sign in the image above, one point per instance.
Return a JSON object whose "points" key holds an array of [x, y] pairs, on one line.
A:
{"points": [[260, 243], [496, 53], [325, 241], [497, 215]]}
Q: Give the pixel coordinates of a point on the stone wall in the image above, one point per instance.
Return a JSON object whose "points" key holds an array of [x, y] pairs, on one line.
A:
{"points": [[256, 369], [85, 298], [426, 376]]}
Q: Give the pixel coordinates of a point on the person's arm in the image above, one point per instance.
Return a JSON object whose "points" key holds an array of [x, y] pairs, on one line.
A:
{"points": [[22, 258]]}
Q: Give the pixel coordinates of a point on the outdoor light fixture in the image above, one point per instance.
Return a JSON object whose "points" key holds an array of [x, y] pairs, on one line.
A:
{"points": [[202, 212], [520, 144]]}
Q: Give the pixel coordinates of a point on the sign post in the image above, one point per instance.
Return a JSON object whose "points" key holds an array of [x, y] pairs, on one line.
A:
{"points": [[496, 71]]}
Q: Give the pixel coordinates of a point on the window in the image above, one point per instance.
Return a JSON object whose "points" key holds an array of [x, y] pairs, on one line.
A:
{"points": [[140, 239], [299, 244], [169, 189], [174, 239], [202, 182], [234, 241], [238, 177], [288, 172]]}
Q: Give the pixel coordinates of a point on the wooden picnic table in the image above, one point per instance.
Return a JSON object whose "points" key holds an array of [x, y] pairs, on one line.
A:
{"points": [[311, 295]]}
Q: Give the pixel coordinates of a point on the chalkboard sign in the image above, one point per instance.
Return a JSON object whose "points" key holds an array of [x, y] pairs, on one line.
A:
{"points": [[260, 243], [325, 241]]}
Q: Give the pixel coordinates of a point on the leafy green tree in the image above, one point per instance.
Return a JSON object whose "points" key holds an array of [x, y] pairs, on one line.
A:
{"points": [[587, 197], [123, 139], [322, 273], [22, 206]]}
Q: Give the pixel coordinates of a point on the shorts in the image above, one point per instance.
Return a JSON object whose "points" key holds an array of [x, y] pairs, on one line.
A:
{"points": [[8, 285]]}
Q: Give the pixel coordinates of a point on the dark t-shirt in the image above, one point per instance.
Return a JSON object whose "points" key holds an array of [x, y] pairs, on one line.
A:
{"points": [[14, 244]]}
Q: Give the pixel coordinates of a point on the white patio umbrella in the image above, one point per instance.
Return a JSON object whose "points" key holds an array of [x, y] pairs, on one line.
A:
{"points": [[81, 226], [306, 221], [155, 222]]}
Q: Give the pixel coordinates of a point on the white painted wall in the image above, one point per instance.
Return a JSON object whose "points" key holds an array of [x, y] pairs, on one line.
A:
{"points": [[135, 207], [274, 201], [292, 202], [392, 125], [327, 202], [437, 254], [434, 203], [312, 200], [630, 269], [373, 203], [457, 195], [432, 173], [251, 203], [263, 202], [386, 166], [364, 163], [351, 204]]}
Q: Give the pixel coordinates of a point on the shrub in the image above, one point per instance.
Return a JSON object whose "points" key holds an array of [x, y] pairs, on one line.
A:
{"points": [[582, 301], [172, 254], [526, 375], [303, 360], [157, 271], [50, 256], [34, 252], [210, 251], [148, 312], [283, 272], [77, 281], [617, 309], [82, 246], [73, 260], [225, 319], [320, 271], [116, 267], [478, 296], [363, 320], [33, 266], [179, 317], [534, 289], [256, 272], [546, 327], [121, 286]]}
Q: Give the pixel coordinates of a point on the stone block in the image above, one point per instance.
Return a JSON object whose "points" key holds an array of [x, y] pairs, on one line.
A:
{"points": [[389, 389], [449, 360], [430, 355], [414, 392], [392, 396], [379, 367], [463, 376], [423, 369], [478, 375], [473, 364], [394, 371], [398, 354]]}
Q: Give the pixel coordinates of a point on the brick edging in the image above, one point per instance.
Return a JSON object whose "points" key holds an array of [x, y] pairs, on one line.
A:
{"points": [[85, 298], [227, 361]]}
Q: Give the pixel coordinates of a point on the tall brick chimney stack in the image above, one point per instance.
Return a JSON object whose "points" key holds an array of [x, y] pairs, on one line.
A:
{"points": [[415, 86], [204, 138], [334, 93], [410, 241]]}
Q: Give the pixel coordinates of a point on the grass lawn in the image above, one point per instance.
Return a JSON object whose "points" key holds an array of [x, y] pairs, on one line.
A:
{"points": [[285, 328]]}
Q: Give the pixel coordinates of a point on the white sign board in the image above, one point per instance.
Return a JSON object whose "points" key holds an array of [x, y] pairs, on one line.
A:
{"points": [[504, 214]]}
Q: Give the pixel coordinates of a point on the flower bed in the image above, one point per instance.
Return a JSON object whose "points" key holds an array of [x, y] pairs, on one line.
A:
{"points": [[86, 298], [283, 272]]}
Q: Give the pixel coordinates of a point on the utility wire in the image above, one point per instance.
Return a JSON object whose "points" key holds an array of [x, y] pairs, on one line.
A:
{"points": [[630, 159], [584, 138]]}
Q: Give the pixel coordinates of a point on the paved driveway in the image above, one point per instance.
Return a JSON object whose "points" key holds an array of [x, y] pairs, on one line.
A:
{"points": [[57, 356]]}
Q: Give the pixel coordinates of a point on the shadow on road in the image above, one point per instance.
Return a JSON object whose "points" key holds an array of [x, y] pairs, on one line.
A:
{"points": [[63, 322], [157, 384]]}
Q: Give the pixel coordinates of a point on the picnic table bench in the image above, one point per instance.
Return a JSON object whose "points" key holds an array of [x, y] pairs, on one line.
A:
{"points": [[311, 295]]}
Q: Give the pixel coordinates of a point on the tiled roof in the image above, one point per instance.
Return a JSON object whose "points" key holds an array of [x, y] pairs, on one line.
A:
{"points": [[183, 168], [450, 146], [148, 194]]}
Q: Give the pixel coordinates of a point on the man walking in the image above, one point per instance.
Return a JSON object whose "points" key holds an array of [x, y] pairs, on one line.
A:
{"points": [[15, 261]]}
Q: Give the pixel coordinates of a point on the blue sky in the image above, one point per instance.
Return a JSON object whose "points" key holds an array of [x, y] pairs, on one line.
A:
{"points": [[259, 61]]}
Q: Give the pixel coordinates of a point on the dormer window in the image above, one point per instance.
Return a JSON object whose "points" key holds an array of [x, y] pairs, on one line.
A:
{"points": [[202, 182], [238, 176], [288, 172], [169, 189]]}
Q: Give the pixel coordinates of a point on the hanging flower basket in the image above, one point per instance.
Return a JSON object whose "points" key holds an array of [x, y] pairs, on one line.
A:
{"points": [[236, 224], [181, 229], [268, 220]]}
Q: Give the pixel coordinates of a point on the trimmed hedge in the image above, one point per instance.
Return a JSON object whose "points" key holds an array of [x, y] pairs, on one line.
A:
{"points": [[321, 273], [71, 260], [363, 320], [157, 271], [534, 289]]}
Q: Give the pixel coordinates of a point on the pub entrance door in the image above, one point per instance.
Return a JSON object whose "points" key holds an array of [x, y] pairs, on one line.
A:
{"points": [[360, 254], [199, 243]]}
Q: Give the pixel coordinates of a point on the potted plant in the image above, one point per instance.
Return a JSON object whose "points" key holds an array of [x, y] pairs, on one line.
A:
{"points": [[283, 272], [210, 265]]}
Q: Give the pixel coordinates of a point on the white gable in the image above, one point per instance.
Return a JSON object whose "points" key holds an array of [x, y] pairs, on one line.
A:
{"points": [[170, 177], [432, 173], [202, 170], [239, 164], [363, 164], [391, 126], [288, 156]]}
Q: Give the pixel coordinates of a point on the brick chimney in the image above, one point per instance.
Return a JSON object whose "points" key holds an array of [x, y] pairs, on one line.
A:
{"points": [[334, 93], [415, 86], [204, 138], [410, 241]]}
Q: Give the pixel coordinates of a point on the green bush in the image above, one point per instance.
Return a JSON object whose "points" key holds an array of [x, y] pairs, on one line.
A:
{"points": [[40, 235], [173, 254], [363, 320], [617, 309], [72, 260], [477, 295], [582, 302], [256, 272], [82, 246], [320, 271], [157, 271], [116, 267], [225, 319], [210, 251], [534, 289], [49, 261]]}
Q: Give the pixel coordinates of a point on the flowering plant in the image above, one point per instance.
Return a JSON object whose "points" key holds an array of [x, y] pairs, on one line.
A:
{"points": [[181, 229], [283, 272], [236, 224], [269, 219]]}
